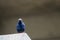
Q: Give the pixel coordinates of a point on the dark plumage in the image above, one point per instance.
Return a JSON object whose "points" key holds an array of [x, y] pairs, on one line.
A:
{"points": [[20, 26]]}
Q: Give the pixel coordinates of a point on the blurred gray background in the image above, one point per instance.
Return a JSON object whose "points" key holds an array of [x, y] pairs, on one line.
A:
{"points": [[42, 18]]}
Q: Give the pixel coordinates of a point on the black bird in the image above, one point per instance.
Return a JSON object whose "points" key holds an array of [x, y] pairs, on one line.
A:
{"points": [[20, 26]]}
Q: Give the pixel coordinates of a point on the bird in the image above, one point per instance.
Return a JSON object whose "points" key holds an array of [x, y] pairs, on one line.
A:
{"points": [[20, 26]]}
